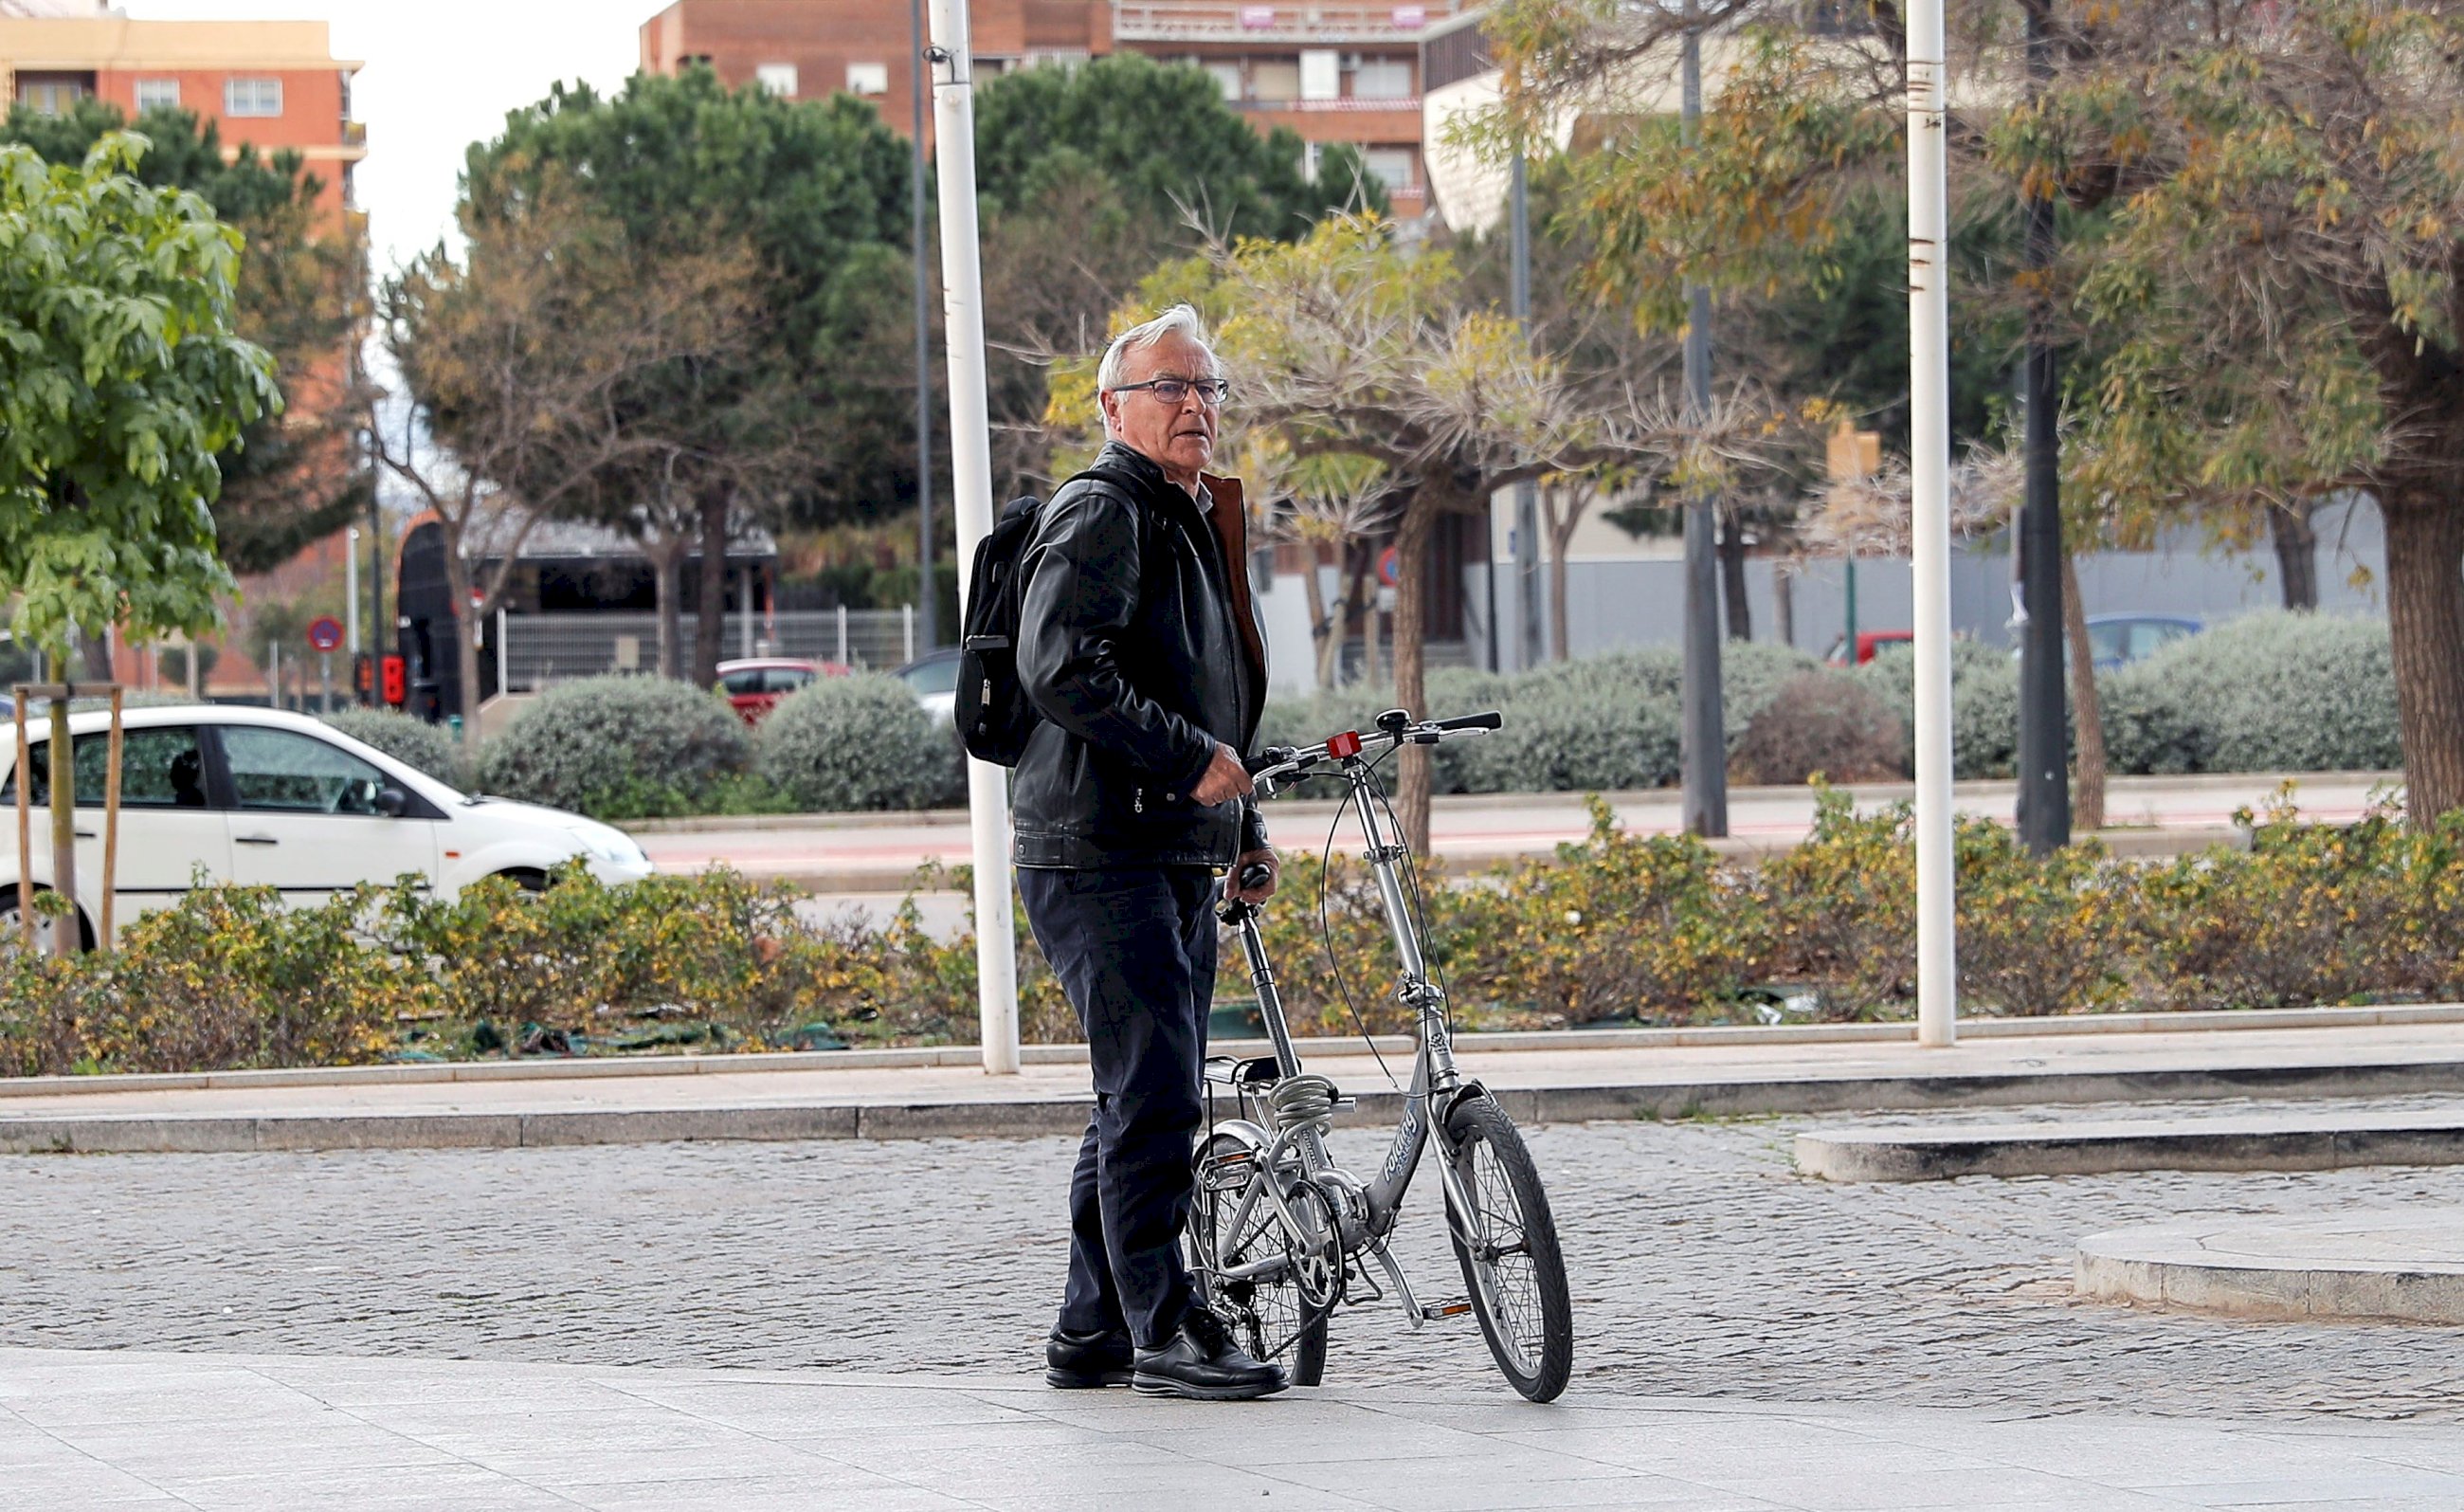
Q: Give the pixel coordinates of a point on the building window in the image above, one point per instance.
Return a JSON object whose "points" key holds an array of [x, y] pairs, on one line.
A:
{"points": [[867, 78], [1275, 78], [251, 96], [1228, 79], [49, 97], [1383, 78], [1391, 166], [1321, 75], [157, 94], [777, 79]]}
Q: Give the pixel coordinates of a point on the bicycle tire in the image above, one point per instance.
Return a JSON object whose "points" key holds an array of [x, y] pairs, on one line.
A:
{"points": [[1213, 1205], [1525, 1311]]}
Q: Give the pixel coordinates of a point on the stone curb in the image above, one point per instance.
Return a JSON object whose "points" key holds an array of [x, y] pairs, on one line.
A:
{"points": [[1847, 1155], [1027, 1117], [2171, 1267], [1717, 1037]]}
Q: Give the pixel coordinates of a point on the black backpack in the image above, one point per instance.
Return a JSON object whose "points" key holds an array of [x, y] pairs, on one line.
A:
{"points": [[992, 711]]}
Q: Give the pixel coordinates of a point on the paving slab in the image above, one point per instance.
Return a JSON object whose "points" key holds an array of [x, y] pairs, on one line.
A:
{"points": [[1733, 1077], [100, 1429], [2404, 1265], [2310, 1140]]}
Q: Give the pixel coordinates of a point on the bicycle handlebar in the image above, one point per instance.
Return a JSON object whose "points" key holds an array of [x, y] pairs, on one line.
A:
{"points": [[1395, 728]]}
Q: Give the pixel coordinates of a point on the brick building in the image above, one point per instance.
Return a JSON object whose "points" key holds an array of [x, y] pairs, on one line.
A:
{"points": [[1345, 70], [270, 84]]}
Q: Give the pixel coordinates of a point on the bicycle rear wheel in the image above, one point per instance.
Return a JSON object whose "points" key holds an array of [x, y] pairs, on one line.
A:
{"points": [[1270, 1317], [1508, 1248]]}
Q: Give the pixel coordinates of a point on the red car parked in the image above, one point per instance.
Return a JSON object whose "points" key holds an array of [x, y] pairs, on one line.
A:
{"points": [[755, 686], [1868, 642]]}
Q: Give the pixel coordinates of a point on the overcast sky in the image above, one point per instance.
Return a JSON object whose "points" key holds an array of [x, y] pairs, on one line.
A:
{"points": [[440, 74]]}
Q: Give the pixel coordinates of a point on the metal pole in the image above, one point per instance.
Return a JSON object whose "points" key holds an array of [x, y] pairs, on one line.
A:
{"points": [[923, 342], [62, 796], [907, 627], [504, 658], [325, 678], [1930, 469], [2044, 779], [25, 786], [103, 934], [1529, 650], [1703, 743], [971, 487], [351, 590]]}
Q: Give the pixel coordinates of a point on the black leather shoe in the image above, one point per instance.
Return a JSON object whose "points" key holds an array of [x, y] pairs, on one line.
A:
{"points": [[1201, 1361], [1078, 1361]]}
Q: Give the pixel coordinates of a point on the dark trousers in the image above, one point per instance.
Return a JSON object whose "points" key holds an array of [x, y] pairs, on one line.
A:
{"points": [[1135, 949]]}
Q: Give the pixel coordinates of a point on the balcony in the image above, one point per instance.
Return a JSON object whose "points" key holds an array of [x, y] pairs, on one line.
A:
{"points": [[355, 133], [1337, 22]]}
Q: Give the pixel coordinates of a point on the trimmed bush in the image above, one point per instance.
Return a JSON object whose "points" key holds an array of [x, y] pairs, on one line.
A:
{"points": [[1822, 723], [412, 742], [1984, 704], [2268, 692], [843, 745], [618, 748]]}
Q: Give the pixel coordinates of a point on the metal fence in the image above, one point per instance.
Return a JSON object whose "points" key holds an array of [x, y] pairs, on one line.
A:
{"points": [[532, 651]]}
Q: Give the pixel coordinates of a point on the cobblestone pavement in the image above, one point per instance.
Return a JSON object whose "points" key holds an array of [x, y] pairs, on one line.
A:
{"points": [[1702, 1265]]}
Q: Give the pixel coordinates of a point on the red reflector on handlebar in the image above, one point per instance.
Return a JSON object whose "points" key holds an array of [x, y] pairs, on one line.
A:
{"points": [[1344, 746]]}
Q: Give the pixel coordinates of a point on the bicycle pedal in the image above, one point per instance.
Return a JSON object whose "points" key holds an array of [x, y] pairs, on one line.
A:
{"points": [[1451, 1308]]}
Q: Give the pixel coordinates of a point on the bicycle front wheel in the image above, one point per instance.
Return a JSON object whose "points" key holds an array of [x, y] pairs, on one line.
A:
{"points": [[1508, 1248]]}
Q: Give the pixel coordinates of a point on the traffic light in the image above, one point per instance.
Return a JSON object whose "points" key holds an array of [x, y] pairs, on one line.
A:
{"points": [[364, 677], [397, 681]]}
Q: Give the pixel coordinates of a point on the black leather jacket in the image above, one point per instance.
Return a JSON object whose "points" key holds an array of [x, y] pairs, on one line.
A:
{"points": [[1139, 645]]}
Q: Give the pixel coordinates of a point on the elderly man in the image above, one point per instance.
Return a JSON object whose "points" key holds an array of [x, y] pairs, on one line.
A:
{"points": [[1139, 648]]}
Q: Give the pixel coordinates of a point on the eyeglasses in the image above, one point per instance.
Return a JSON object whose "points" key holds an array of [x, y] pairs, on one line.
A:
{"points": [[1173, 391]]}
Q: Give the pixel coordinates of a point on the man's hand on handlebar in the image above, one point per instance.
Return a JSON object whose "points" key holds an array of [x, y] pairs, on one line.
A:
{"points": [[1247, 870], [1225, 779]]}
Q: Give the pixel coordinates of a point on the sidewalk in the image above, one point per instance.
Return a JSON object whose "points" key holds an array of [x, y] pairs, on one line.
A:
{"points": [[248, 1434], [1539, 1077]]}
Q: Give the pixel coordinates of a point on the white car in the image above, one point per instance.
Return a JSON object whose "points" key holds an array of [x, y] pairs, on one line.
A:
{"points": [[239, 795]]}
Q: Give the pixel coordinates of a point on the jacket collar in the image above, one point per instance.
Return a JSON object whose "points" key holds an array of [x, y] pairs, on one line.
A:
{"points": [[1137, 464]]}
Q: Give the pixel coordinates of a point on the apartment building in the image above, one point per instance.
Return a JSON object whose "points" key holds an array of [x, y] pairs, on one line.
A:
{"points": [[1333, 70], [270, 84]]}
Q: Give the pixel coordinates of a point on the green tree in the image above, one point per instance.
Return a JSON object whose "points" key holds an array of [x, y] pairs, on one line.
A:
{"points": [[1094, 175], [123, 376], [802, 426], [519, 362], [289, 480], [2283, 291]]}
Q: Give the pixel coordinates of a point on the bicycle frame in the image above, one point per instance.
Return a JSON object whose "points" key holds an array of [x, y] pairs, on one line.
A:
{"points": [[1366, 1211]]}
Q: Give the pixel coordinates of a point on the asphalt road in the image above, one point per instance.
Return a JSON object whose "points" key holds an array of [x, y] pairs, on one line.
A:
{"points": [[855, 861]]}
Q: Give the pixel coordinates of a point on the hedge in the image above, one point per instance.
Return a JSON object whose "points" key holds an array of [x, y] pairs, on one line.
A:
{"points": [[618, 747], [414, 741], [1618, 928], [840, 744]]}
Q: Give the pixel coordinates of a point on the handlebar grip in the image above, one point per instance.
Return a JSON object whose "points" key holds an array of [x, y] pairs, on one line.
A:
{"points": [[1254, 876], [1273, 755], [1492, 719]]}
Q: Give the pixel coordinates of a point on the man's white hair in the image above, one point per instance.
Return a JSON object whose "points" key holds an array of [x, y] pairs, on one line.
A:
{"points": [[1179, 321]]}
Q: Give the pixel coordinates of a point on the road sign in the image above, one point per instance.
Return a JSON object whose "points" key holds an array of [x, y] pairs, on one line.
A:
{"points": [[1390, 567], [325, 633]]}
